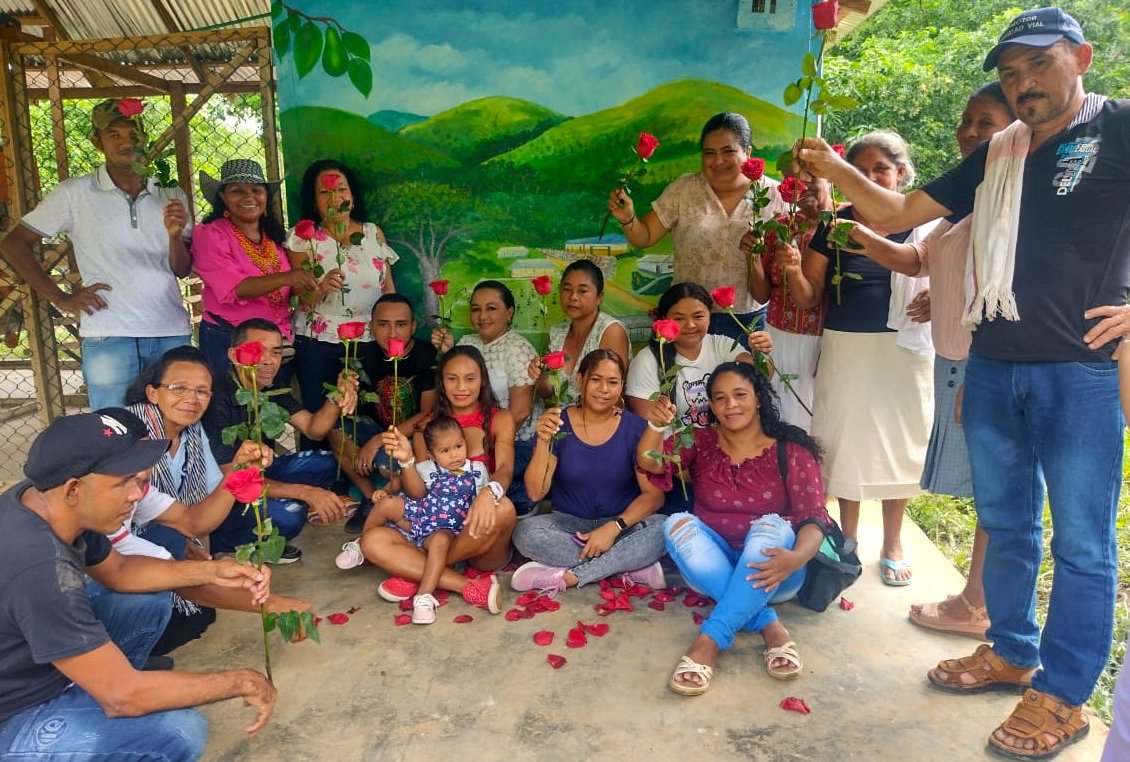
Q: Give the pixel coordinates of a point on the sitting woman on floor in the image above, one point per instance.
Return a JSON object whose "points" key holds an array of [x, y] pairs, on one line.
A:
{"points": [[603, 521], [759, 517]]}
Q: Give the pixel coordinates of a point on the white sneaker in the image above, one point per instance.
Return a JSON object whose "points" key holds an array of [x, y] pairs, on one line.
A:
{"points": [[424, 609], [350, 556]]}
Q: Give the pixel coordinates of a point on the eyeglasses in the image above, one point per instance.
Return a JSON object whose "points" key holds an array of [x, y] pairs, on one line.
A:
{"points": [[186, 391]]}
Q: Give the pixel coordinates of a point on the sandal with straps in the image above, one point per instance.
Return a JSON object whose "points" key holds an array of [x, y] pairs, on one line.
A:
{"points": [[688, 666], [972, 623], [788, 652], [1037, 717], [989, 672]]}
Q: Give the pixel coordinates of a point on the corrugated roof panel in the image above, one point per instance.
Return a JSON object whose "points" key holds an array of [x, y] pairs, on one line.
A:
{"points": [[99, 19]]}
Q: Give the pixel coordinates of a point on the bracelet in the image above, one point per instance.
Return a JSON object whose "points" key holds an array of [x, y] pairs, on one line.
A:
{"points": [[496, 490], [406, 463], [657, 429], [629, 222]]}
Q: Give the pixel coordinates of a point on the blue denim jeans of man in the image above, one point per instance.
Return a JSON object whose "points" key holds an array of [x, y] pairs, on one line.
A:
{"points": [[722, 324], [313, 468], [111, 363], [711, 567], [73, 727], [1058, 424]]}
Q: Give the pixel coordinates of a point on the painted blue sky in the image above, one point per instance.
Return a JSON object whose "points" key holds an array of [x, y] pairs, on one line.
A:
{"points": [[574, 56]]}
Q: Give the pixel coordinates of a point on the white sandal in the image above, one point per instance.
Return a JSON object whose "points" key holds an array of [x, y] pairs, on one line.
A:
{"points": [[688, 666], [788, 652]]}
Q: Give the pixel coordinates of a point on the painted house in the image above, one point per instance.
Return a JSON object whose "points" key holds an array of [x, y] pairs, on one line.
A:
{"points": [[512, 252], [609, 246], [531, 268], [653, 274]]}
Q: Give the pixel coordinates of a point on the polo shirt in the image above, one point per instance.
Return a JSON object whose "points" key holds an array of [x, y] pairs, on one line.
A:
{"points": [[122, 242]]}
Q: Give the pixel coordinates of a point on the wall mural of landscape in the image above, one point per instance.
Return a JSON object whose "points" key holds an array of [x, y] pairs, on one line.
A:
{"points": [[488, 136]]}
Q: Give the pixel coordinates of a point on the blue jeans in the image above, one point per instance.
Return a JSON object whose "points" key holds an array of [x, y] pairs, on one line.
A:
{"points": [[313, 468], [111, 363], [713, 568], [523, 452], [73, 727], [1028, 424], [722, 324]]}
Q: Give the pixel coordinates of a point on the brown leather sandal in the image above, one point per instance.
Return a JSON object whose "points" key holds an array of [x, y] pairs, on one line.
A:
{"points": [[1039, 717], [972, 622], [989, 672]]}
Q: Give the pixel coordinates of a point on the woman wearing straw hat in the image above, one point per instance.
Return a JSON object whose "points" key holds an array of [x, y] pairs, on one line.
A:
{"points": [[238, 254]]}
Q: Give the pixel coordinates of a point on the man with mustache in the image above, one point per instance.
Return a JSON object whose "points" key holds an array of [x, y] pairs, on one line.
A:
{"points": [[1048, 278]]}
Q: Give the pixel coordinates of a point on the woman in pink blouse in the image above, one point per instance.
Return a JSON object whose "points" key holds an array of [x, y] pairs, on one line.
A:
{"points": [[237, 252], [759, 518]]}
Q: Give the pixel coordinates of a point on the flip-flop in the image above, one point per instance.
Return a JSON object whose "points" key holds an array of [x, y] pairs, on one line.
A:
{"points": [[787, 652], [895, 567], [688, 666]]}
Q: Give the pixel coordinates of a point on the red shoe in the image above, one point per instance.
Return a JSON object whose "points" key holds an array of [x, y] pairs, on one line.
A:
{"points": [[397, 589], [485, 593]]}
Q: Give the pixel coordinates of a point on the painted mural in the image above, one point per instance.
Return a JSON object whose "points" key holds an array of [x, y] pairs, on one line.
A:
{"points": [[488, 133]]}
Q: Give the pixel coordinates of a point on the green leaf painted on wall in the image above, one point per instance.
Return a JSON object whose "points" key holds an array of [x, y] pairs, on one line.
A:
{"points": [[357, 45], [307, 48], [282, 38], [334, 57], [361, 75]]}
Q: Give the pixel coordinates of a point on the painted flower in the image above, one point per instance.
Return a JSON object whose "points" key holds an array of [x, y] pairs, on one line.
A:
{"points": [[395, 348], [543, 284], [249, 354], [246, 484], [824, 14], [439, 287], [753, 168], [378, 264], [646, 145], [665, 330], [331, 181], [790, 189], [554, 360], [724, 296], [840, 150], [130, 107], [351, 331], [306, 230]]}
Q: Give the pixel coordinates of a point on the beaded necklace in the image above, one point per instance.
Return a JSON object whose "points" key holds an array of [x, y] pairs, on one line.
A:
{"points": [[265, 256]]}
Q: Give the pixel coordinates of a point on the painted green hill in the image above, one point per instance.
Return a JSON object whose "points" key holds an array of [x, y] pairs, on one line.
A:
{"points": [[473, 132], [392, 120], [595, 148]]}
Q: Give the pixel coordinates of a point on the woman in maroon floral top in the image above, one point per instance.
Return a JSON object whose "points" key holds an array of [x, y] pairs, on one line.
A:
{"points": [[752, 532]]}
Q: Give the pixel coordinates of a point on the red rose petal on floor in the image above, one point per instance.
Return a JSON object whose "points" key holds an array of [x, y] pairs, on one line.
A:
{"points": [[555, 661], [622, 603], [599, 629], [577, 638], [352, 609], [513, 615], [794, 704], [442, 601], [638, 591], [543, 637], [656, 604], [618, 583], [603, 609], [406, 604], [608, 594], [402, 619], [526, 614], [463, 619], [845, 604], [441, 595], [605, 584], [338, 618], [549, 604], [697, 617], [317, 621], [526, 598]]}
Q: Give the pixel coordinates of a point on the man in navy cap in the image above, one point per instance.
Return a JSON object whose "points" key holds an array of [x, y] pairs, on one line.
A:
{"points": [[70, 682], [1048, 278]]}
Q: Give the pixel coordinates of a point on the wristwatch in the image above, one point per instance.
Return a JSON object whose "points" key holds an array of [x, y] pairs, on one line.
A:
{"points": [[621, 523]]}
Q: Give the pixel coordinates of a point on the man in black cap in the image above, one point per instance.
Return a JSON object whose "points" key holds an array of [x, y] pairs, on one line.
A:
{"points": [[64, 653], [1047, 282]]}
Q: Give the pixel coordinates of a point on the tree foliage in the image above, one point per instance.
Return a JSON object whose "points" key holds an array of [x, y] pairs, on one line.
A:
{"points": [[914, 64]]}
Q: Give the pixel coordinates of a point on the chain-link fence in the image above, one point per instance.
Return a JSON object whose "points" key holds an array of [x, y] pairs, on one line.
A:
{"points": [[208, 98]]}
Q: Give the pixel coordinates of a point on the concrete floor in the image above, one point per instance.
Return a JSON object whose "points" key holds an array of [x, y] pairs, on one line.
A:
{"points": [[483, 690]]}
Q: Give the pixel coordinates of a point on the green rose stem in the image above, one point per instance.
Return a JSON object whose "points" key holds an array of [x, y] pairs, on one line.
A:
{"points": [[677, 455], [341, 417], [764, 363]]}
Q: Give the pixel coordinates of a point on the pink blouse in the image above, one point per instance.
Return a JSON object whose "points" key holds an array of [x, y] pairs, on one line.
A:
{"points": [[222, 264], [728, 498]]}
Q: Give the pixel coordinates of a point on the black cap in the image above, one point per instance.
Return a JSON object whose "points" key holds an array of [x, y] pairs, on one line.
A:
{"points": [[1038, 29], [90, 443]]}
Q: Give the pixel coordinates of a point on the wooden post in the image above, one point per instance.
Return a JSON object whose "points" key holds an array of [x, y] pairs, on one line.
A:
{"points": [[270, 127], [181, 142]]}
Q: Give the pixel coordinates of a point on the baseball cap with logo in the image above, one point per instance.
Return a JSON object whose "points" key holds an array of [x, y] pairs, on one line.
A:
{"points": [[90, 443], [1038, 29]]}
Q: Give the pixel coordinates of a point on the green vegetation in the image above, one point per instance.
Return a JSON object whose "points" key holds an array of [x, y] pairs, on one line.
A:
{"points": [[391, 120], [475, 131]]}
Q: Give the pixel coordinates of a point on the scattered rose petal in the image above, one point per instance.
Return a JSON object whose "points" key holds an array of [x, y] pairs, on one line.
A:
{"points": [[441, 595], [526, 614], [603, 609], [406, 604], [317, 621], [697, 617], [526, 598], [638, 591], [794, 704], [608, 594], [549, 604], [656, 604], [605, 584], [402, 619], [555, 661], [463, 619], [543, 637], [577, 638], [622, 603], [513, 615], [352, 609], [599, 629], [442, 601], [338, 618], [617, 583], [845, 604]]}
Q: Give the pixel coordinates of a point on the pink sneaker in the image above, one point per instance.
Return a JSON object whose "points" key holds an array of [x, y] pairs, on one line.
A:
{"points": [[484, 592], [534, 576], [651, 576], [397, 589], [350, 556]]}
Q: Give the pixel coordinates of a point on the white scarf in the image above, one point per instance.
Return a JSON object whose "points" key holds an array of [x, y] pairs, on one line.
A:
{"points": [[911, 335]]}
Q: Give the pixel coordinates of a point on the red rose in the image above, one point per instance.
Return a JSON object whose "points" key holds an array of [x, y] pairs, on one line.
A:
{"points": [[839, 149], [724, 296], [395, 348], [646, 145], [666, 330], [439, 287], [350, 331], [554, 360], [249, 354], [331, 181], [824, 14], [790, 189], [246, 484], [130, 107], [753, 169], [543, 284], [306, 230]]}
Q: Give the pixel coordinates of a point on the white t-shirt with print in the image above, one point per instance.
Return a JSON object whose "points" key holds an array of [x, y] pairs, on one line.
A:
{"points": [[691, 403]]}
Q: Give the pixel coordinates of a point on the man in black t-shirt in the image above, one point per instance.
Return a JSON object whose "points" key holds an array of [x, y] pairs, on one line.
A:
{"points": [[1041, 394], [296, 483], [85, 472]]}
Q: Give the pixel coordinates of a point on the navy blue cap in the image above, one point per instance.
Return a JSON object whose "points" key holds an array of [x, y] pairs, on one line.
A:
{"points": [[1038, 29], [91, 443]]}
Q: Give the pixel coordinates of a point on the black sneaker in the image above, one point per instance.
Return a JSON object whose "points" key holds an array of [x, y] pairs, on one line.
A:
{"points": [[289, 555], [355, 523]]}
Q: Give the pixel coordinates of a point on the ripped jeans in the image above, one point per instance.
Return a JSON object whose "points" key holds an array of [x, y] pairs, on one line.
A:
{"points": [[711, 567]]}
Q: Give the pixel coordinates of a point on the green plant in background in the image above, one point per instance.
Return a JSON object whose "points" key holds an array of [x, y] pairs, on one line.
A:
{"points": [[311, 39]]}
